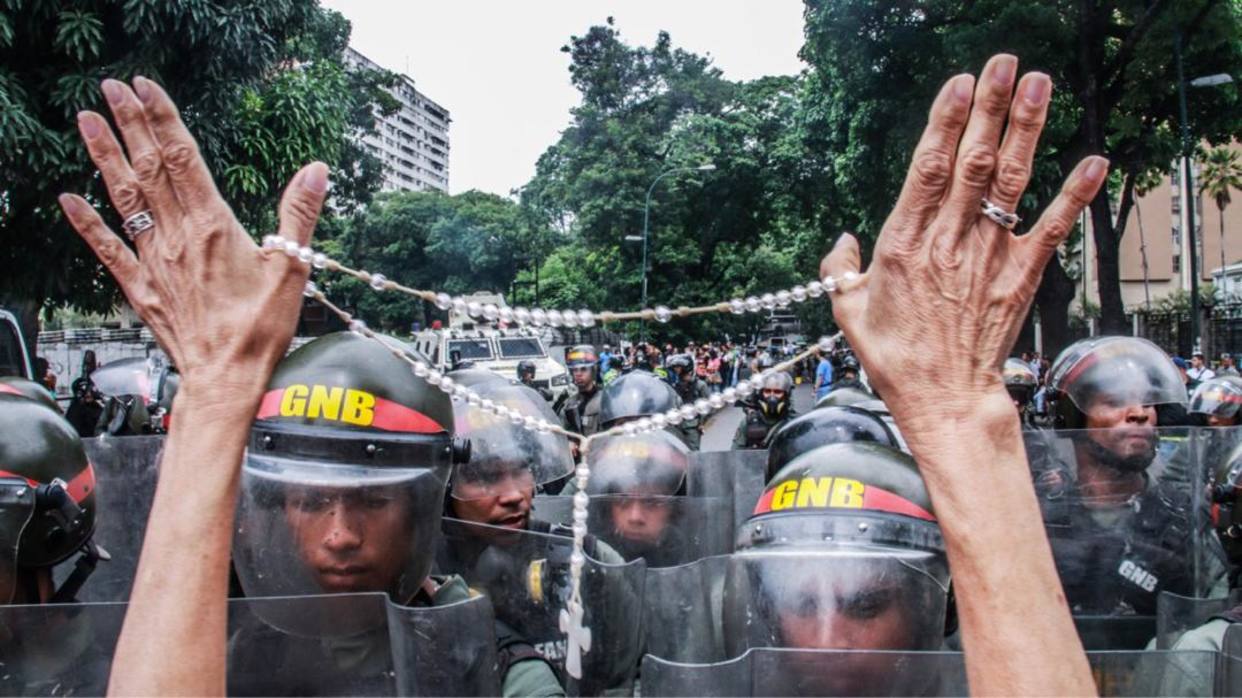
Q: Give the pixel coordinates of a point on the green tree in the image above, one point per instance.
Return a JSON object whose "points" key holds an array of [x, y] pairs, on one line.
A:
{"points": [[877, 66], [1220, 171], [261, 85]]}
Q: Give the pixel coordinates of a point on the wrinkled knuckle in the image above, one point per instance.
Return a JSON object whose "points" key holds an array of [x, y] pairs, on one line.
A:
{"points": [[978, 164], [179, 157], [301, 210], [147, 166], [1054, 232], [127, 196], [1011, 178], [127, 112], [932, 169]]}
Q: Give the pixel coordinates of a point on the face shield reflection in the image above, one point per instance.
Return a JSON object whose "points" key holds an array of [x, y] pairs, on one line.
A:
{"points": [[309, 528]]}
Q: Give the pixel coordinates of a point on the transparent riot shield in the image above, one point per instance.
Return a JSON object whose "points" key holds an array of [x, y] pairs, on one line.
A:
{"points": [[58, 650], [1176, 614], [682, 612], [788, 672], [17, 505], [526, 575], [359, 644], [1127, 515], [736, 475], [126, 470], [1229, 663], [666, 531]]}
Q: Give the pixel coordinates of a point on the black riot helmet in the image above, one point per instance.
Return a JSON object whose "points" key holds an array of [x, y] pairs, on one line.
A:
{"points": [[681, 365], [343, 484], [634, 395], [776, 406], [1020, 380], [526, 370], [637, 485], [1119, 370], [823, 426], [842, 552], [47, 496], [1219, 399], [844, 396]]}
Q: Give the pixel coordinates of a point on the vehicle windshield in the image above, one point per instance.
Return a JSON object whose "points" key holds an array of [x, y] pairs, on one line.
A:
{"points": [[520, 348], [470, 349], [12, 362]]}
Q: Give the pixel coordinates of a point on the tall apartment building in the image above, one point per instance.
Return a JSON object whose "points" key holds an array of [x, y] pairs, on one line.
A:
{"points": [[1154, 234], [413, 142]]}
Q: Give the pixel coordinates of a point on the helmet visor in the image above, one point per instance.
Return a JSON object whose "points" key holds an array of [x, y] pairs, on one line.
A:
{"points": [[17, 504], [306, 527], [124, 377], [1219, 397], [505, 455], [1117, 371], [836, 597]]}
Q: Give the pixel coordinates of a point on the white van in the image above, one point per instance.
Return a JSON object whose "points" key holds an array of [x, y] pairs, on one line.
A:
{"points": [[496, 350], [14, 359]]}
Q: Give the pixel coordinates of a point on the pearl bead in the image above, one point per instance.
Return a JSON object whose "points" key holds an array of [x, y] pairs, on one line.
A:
{"points": [[581, 500], [358, 327], [555, 318], [474, 309], [688, 412], [673, 417], [798, 293], [271, 242], [768, 300], [703, 407], [659, 421], [305, 255], [830, 284], [505, 314], [490, 311], [850, 275], [444, 301], [586, 318], [717, 402], [825, 344], [753, 305], [420, 369], [379, 282], [292, 248], [310, 290], [663, 314], [521, 315], [538, 316], [729, 395], [319, 260], [569, 318], [783, 299], [815, 289], [447, 383], [434, 377], [459, 305], [744, 389], [737, 306]]}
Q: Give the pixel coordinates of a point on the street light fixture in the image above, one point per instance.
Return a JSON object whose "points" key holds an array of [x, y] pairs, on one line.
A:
{"points": [[705, 167], [1212, 80]]}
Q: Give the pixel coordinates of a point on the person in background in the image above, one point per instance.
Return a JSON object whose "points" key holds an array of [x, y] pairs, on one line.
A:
{"points": [[1227, 365], [823, 377], [1199, 370], [1180, 364]]}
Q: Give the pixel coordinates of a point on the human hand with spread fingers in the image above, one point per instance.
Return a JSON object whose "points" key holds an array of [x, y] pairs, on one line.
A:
{"points": [[953, 275], [225, 311]]}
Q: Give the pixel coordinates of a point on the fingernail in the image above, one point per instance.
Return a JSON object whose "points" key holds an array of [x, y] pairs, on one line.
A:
{"points": [[1096, 169], [963, 88], [1004, 70], [112, 91], [315, 178], [1035, 91], [142, 88], [70, 204], [840, 239], [88, 126]]}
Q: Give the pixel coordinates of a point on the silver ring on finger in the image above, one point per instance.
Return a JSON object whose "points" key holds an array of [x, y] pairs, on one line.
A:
{"points": [[1000, 216], [138, 224]]}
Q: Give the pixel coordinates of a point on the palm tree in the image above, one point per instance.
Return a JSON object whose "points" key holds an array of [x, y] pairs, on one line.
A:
{"points": [[1221, 170]]}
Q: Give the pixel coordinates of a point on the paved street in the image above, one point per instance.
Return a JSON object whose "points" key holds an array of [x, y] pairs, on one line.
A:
{"points": [[720, 429]]}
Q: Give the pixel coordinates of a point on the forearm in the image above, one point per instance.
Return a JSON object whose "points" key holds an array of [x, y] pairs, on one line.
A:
{"points": [[1016, 626], [173, 640]]}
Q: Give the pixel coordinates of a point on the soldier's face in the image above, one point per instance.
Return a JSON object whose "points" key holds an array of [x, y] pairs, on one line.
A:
{"points": [[352, 539], [584, 377], [496, 497], [1125, 428], [641, 518], [840, 614]]}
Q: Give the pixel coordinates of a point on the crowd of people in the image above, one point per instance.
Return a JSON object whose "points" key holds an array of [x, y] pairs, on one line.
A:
{"points": [[908, 512]]}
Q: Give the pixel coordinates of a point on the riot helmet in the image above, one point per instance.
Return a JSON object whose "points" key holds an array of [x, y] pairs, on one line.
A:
{"points": [[14, 385], [47, 498], [681, 365], [583, 365], [526, 371], [1112, 372], [508, 461], [634, 395], [127, 387], [1020, 381], [826, 425], [849, 363], [343, 482], [842, 552], [844, 396], [1217, 400], [636, 479], [775, 394], [766, 361], [473, 377]]}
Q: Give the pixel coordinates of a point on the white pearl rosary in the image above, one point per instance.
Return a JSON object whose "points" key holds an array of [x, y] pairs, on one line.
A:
{"points": [[578, 636]]}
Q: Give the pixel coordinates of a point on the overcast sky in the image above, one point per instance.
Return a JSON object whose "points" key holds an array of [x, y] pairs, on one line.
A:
{"points": [[497, 67]]}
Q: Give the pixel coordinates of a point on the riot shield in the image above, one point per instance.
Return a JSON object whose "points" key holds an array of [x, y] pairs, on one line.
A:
{"points": [[1177, 614], [787, 672], [526, 575], [736, 475], [61, 649], [666, 531], [359, 644], [1229, 663], [17, 505], [682, 613], [1127, 516], [126, 470]]}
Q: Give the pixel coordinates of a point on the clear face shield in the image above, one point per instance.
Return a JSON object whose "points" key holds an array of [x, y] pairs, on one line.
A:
{"points": [[305, 527], [1219, 398], [638, 500], [17, 506], [1116, 372]]}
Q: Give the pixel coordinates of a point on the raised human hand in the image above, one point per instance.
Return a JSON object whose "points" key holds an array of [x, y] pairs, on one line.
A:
{"points": [[939, 308], [224, 309]]}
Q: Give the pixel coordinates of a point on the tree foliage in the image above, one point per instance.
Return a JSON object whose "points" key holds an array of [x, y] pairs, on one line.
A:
{"points": [[261, 85]]}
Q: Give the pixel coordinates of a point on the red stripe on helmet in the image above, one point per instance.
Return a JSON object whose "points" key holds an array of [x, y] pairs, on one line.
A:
{"points": [[79, 488], [883, 500], [6, 388]]}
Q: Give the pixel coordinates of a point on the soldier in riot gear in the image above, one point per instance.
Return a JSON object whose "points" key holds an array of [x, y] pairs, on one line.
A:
{"points": [[843, 552], [633, 396], [1020, 381], [343, 488], [839, 397], [823, 426], [1217, 401], [849, 375], [1121, 529], [580, 413], [766, 412], [526, 376], [690, 388]]}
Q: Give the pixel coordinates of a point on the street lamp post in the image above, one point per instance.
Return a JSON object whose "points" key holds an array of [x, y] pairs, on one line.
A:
{"points": [[642, 324]]}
